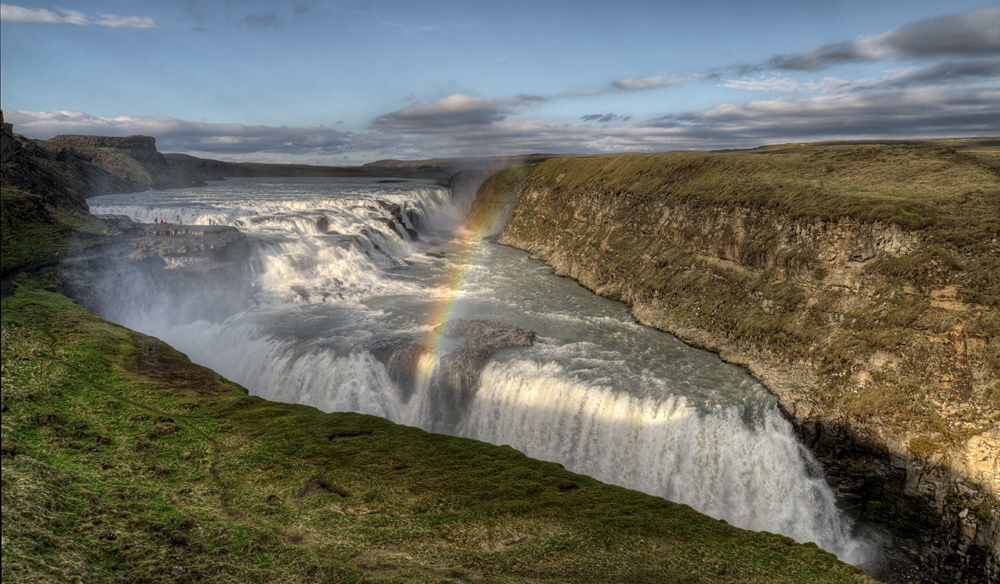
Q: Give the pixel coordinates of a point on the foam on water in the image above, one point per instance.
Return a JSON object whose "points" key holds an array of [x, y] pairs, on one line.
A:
{"points": [[597, 393]]}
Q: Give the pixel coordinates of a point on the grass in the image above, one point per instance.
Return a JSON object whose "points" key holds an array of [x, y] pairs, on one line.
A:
{"points": [[124, 460], [35, 230]]}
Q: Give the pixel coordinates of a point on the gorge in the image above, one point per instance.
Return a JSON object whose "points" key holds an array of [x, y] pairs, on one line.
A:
{"points": [[366, 277], [876, 332]]}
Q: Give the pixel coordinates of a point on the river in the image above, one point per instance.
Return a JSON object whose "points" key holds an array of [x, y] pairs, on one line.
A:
{"points": [[338, 269]]}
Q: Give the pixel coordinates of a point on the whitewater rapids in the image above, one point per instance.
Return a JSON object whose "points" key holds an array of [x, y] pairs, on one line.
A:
{"points": [[341, 264]]}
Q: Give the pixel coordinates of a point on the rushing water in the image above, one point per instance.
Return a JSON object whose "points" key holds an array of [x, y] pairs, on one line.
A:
{"points": [[604, 396]]}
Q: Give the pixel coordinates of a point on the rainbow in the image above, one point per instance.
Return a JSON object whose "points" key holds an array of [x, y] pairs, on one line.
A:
{"points": [[450, 300]]}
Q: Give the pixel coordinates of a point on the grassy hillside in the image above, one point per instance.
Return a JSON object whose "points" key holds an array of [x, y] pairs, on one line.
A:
{"points": [[35, 228]]}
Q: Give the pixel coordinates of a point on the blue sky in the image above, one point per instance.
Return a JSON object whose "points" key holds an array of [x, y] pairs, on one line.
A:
{"points": [[355, 81]]}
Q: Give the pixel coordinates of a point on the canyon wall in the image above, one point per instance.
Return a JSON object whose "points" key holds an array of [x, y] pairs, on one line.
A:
{"points": [[133, 159], [866, 302]]}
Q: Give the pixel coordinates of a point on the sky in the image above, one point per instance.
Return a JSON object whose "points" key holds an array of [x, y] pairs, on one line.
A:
{"points": [[349, 82]]}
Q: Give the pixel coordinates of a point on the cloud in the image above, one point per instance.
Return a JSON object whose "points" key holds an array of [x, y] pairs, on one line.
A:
{"points": [[971, 34], [889, 112], [641, 83], [175, 135], [949, 72], [773, 83], [623, 85], [926, 112], [605, 118], [9, 13], [454, 111]]}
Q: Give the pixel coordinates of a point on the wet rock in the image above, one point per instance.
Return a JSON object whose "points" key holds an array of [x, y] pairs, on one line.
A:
{"points": [[455, 379], [397, 219]]}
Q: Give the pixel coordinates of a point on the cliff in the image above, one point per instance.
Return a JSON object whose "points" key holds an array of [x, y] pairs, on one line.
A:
{"points": [[133, 159], [60, 175], [859, 282], [44, 211]]}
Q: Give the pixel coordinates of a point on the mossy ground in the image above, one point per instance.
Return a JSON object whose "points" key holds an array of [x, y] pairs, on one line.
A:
{"points": [[123, 461], [34, 230]]}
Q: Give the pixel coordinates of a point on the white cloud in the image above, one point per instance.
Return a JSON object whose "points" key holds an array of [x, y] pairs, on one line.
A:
{"points": [[175, 135], [641, 83], [9, 13], [773, 83]]}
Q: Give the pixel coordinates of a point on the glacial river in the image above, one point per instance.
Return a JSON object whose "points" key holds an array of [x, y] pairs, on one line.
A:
{"points": [[333, 275]]}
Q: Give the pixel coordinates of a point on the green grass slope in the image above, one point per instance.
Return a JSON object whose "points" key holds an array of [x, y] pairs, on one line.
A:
{"points": [[35, 228]]}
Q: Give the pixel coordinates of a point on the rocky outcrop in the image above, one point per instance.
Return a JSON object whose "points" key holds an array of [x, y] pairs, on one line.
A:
{"points": [[62, 178], [133, 159], [180, 272], [462, 349], [881, 342]]}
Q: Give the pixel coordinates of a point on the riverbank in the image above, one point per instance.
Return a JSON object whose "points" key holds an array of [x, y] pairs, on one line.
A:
{"points": [[857, 281]]}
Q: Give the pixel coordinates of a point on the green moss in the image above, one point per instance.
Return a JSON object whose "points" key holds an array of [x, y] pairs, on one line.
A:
{"points": [[34, 229]]}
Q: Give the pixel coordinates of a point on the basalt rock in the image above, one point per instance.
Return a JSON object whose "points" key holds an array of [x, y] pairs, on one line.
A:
{"points": [[404, 219], [133, 159], [61, 177], [453, 380]]}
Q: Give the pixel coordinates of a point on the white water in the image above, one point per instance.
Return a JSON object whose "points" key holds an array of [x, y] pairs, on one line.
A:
{"points": [[597, 393]]}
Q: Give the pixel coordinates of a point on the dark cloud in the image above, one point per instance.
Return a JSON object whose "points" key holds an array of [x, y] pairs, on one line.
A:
{"points": [[949, 72], [454, 111], [928, 113], [971, 34], [605, 118]]}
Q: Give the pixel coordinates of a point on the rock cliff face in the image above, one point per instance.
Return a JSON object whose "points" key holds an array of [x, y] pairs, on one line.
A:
{"points": [[882, 342], [133, 159], [60, 176]]}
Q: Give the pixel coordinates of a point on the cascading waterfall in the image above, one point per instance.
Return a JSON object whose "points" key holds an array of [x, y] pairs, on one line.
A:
{"points": [[342, 265]]}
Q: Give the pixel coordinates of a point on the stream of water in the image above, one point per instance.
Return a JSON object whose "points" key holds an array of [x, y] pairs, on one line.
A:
{"points": [[334, 274]]}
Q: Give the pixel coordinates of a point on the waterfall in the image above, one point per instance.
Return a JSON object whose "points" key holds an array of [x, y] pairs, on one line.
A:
{"points": [[345, 265]]}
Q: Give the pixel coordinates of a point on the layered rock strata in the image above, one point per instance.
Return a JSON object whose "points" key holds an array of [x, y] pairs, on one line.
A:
{"points": [[133, 159], [888, 371]]}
